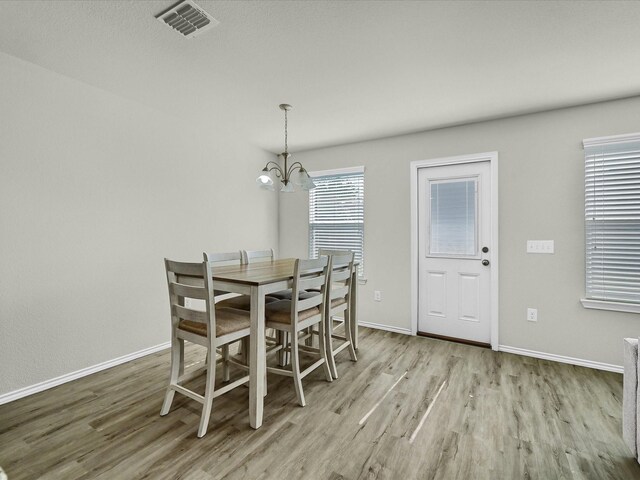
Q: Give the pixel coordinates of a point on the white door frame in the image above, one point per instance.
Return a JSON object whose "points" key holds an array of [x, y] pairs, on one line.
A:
{"points": [[492, 158]]}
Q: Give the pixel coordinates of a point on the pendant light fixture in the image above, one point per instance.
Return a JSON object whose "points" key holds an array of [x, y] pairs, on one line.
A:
{"points": [[285, 175]]}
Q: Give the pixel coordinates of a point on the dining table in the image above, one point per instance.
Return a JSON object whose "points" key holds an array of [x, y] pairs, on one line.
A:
{"points": [[258, 280]]}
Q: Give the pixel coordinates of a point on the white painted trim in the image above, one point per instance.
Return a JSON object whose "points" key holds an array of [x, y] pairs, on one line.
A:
{"points": [[68, 377], [562, 359], [337, 171], [612, 306], [380, 326], [495, 256], [492, 158], [610, 140]]}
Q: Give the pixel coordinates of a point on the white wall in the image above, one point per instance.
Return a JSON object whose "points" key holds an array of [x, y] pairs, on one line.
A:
{"points": [[541, 197], [95, 191]]}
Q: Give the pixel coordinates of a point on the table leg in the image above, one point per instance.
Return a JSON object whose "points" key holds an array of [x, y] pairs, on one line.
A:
{"points": [[257, 358], [353, 308]]}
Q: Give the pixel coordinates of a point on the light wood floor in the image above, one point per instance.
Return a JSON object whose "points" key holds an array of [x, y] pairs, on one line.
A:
{"points": [[498, 416]]}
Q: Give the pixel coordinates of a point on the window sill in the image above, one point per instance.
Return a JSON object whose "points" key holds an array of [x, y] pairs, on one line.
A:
{"points": [[613, 306]]}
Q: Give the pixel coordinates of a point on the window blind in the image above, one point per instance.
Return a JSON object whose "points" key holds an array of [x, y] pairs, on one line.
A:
{"points": [[336, 214], [612, 218]]}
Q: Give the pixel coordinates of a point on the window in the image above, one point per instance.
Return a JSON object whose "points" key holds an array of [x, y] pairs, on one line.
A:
{"points": [[612, 222], [452, 229], [336, 212]]}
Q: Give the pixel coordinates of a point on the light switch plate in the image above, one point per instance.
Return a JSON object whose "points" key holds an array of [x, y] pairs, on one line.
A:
{"points": [[540, 246]]}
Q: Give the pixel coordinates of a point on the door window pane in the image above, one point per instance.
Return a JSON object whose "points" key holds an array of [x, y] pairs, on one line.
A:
{"points": [[453, 217]]}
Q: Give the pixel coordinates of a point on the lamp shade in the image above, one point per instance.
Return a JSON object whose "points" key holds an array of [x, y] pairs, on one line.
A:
{"points": [[264, 179], [287, 187], [308, 184]]}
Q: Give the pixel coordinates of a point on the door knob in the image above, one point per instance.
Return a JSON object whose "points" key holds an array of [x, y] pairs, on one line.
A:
{"points": [[485, 262]]}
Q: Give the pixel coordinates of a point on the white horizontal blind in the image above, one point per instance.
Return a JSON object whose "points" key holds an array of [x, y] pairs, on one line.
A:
{"points": [[452, 229], [336, 214], [612, 218]]}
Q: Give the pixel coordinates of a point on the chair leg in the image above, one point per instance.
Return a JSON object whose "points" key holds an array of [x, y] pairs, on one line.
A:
{"points": [[349, 335], [309, 341], [286, 337], [225, 363], [295, 368], [328, 341], [177, 364], [208, 399], [280, 335], [244, 354], [322, 346], [181, 341]]}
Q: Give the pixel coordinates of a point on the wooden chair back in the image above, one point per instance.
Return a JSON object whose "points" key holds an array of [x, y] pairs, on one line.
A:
{"points": [[307, 275], [193, 281], [221, 260], [340, 274]]}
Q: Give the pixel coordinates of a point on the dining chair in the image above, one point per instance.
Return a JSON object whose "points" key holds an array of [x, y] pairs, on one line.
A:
{"points": [[275, 342], [242, 257], [337, 310], [222, 259], [211, 328], [252, 256], [229, 300], [295, 316]]}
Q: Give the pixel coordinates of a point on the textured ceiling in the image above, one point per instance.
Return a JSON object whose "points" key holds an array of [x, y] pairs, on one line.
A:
{"points": [[352, 70]]}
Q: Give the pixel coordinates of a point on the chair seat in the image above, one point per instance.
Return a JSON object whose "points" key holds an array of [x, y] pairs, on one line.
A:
{"points": [[286, 295], [228, 320], [280, 312], [242, 302]]}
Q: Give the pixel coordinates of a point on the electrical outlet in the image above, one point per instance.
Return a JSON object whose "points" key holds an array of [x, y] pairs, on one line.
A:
{"points": [[187, 302], [532, 314], [377, 296]]}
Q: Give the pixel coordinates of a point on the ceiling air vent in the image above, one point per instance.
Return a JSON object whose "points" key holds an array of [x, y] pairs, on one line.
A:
{"points": [[188, 19]]}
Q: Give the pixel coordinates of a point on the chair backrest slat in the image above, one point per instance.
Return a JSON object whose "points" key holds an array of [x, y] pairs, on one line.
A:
{"points": [[188, 291], [185, 313], [183, 268], [221, 259], [334, 253], [340, 273], [251, 256], [340, 292], [308, 266], [309, 302], [309, 282]]}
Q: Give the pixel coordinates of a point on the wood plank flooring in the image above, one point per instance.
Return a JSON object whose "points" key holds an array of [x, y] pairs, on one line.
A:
{"points": [[497, 416]]}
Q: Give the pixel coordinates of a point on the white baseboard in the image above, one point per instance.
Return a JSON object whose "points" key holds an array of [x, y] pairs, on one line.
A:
{"points": [[562, 359], [379, 326], [54, 382]]}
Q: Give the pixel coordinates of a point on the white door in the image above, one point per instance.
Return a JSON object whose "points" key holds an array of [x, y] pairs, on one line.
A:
{"points": [[454, 232]]}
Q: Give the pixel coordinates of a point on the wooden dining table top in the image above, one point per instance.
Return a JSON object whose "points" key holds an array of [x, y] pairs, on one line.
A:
{"points": [[257, 273]]}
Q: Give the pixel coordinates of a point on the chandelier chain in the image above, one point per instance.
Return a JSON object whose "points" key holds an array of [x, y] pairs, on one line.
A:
{"points": [[285, 132]]}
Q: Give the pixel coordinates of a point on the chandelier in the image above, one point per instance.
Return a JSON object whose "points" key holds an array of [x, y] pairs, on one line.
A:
{"points": [[290, 174]]}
